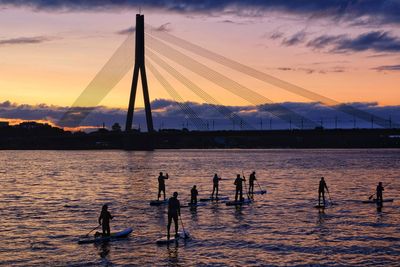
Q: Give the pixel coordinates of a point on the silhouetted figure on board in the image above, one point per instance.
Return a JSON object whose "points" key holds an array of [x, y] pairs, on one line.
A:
{"points": [[161, 184], [104, 220], [252, 178], [321, 191], [216, 180], [379, 194], [193, 195], [239, 187], [174, 211]]}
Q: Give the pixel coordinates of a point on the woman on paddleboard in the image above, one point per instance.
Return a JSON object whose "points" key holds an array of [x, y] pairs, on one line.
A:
{"points": [[104, 220]]}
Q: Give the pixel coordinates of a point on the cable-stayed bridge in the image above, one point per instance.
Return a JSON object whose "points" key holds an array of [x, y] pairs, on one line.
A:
{"points": [[152, 50]]}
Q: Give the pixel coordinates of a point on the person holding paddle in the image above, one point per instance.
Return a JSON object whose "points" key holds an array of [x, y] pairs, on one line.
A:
{"points": [[239, 187], [252, 178], [161, 184], [174, 211], [216, 180], [321, 190], [379, 194], [104, 220]]}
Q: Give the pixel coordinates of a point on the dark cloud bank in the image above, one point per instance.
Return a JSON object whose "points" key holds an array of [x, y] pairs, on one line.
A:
{"points": [[385, 11], [167, 114], [376, 41]]}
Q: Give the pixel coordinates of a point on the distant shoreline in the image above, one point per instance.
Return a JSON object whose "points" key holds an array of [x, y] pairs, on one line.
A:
{"points": [[45, 137]]}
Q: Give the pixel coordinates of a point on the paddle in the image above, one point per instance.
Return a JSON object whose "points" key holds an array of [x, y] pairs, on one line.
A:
{"points": [[245, 186], [186, 235], [371, 196], [92, 230], [330, 199], [262, 191]]}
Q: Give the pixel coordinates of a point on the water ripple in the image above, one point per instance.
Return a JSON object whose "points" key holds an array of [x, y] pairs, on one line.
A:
{"points": [[48, 199]]}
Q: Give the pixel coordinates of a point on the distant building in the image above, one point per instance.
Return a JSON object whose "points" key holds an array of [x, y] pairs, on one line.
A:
{"points": [[4, 124]]}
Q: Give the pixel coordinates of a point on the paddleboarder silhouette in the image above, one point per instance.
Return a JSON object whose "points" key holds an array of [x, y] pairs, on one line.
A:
{"points": [[379, 194], [321, 191], [252, 178], [174, 211], [216, 180], [104, 220], [161, 184], [193, 195], [239, 187]]}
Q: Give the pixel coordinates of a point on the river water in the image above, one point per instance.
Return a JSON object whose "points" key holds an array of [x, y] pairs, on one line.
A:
{"points": [[50, 198]]}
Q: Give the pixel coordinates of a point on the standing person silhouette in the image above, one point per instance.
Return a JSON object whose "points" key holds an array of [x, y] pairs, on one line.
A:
{"points": [[216, 180], [193, 195], [252, 178], [321, 191], [174, 211], [161, 184], [239, 187], [379, 194], [104, 220]]}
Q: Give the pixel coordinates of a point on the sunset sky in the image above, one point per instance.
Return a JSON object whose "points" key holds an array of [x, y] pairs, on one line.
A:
{"points": [[346, 50]]}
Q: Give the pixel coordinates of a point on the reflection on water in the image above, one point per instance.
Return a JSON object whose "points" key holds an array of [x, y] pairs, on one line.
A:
{"points": [[173, 258], [50, 198], [104, 250]]}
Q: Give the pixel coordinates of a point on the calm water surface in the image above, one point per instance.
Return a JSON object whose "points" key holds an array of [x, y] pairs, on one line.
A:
{"points": [[49, 198]]}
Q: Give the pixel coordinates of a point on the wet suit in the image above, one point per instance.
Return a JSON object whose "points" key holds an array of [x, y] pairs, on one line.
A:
{"points": [[239, 187], [193, 195], [216, 180], [161, 185], [252, 178], [321, 191], [104, 220], [379, 194], [174, 210]]}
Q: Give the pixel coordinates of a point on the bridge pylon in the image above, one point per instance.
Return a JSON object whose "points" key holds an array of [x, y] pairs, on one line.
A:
{"points": [[139, 67]]}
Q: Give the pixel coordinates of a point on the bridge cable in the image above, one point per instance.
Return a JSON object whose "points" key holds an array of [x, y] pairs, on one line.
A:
{"points": [[227, 83], [224, 111], [345, 108], [197, 122], [104, 81]]}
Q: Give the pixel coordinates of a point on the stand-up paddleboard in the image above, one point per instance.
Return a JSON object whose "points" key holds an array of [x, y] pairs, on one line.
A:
{"points": [[320, 206], [112, 237], [158, 202], [236, 203], [374, 200], [214, 198], [190, 205], [165, 240]]}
